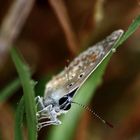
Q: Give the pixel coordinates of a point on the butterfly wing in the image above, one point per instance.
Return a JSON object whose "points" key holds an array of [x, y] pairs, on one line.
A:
{"points": [[81, 67]]}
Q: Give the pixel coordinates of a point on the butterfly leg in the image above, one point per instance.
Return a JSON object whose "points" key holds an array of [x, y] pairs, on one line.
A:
{"points": [[39, 102], [48, 113], [47, 123]]}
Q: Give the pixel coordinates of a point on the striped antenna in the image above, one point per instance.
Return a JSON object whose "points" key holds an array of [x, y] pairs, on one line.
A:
{"points": [[96, 115]]}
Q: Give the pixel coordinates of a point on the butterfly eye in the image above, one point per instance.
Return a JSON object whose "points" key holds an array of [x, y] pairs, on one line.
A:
{"points": [[81, 75], [67, 107], [64, 103], [63, 100]]}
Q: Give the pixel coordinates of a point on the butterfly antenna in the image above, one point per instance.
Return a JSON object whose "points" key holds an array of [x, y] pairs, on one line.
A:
{"points": [[96, 115]]}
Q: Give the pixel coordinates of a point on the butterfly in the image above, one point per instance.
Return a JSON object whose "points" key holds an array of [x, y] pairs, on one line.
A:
{"points": [[59, 91]]}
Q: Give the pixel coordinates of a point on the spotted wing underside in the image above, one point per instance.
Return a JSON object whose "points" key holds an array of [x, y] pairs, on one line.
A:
{"points": [[82, 66]]}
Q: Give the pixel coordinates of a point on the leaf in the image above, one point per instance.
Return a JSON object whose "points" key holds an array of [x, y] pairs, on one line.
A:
{"points": [[28, 89]]}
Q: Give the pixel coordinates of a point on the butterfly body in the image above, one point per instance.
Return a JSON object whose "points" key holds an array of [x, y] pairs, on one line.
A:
{"points": [[60, 90]]}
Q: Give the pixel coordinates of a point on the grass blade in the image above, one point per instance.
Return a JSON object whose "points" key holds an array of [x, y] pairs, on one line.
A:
{"points": [[28, 90], [69, 122], [131, 29], [19, 120]]}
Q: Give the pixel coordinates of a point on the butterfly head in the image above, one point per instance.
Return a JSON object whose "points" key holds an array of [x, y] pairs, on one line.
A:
{"points": [[65, 101]]}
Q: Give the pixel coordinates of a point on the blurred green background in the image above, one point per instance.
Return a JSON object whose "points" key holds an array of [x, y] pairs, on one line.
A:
{"points": [[47, 34]]}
